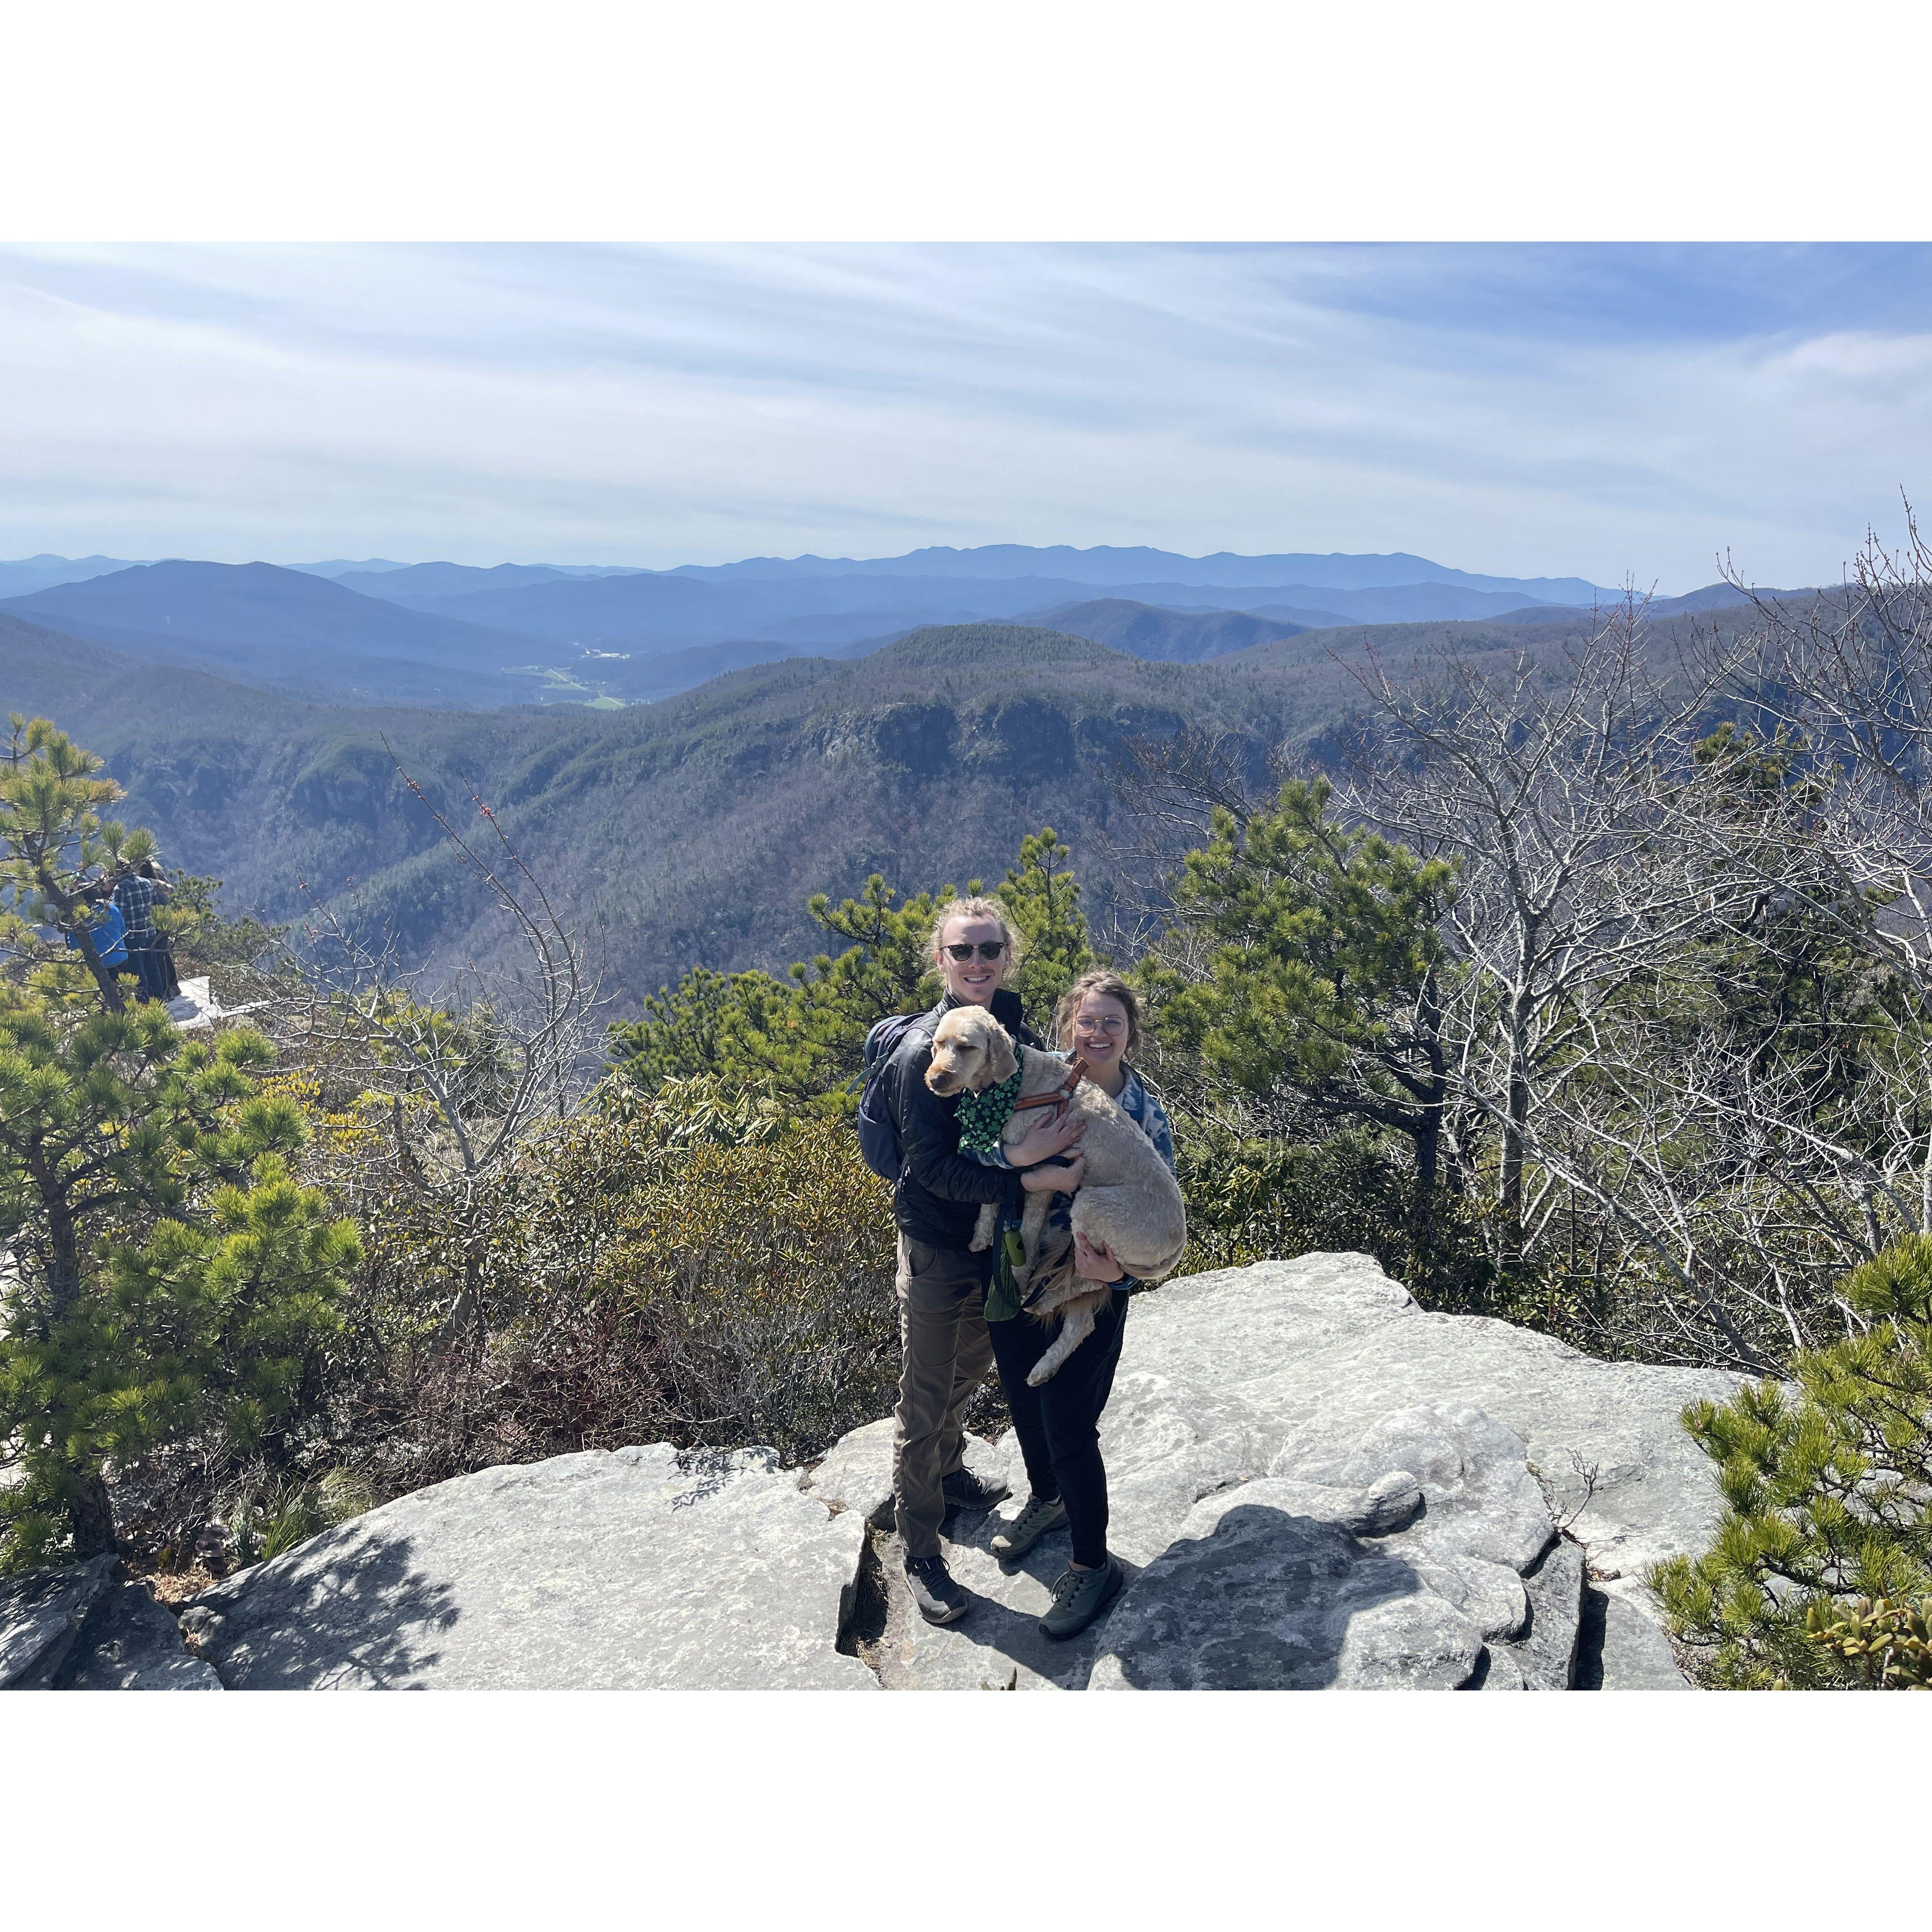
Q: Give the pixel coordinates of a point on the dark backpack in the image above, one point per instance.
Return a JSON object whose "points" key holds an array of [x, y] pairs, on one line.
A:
{"points": [[878, 1120]]}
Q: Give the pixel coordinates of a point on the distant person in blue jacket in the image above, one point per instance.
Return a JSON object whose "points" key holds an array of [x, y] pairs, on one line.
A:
{"points": [[108, 927]]}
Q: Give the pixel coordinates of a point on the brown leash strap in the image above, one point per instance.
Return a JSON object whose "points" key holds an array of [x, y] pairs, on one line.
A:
{"points": [[1056, 1096]]}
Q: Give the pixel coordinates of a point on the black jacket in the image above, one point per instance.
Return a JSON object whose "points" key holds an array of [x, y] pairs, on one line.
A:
{"points": [[940, 1190]]}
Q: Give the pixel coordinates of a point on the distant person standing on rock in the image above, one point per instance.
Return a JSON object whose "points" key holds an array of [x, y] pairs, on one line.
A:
{"points": [[135, 893], [163, 948], [945, 1349]]}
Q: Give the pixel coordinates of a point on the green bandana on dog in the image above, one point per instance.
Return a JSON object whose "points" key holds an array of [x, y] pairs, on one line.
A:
{"points": [[983, 1117]]}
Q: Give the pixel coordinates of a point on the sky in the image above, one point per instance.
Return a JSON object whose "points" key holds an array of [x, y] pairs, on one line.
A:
{"points": [[1614, 413]]}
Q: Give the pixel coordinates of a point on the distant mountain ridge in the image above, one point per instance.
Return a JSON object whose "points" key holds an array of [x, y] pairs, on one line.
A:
{"points": [[1109, 565], [283, 630], [466, 636], [26, 575], [717, 810]]}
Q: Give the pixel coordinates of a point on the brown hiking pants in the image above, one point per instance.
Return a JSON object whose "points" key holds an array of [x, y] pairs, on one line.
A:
{"points": [[944, 1354]]}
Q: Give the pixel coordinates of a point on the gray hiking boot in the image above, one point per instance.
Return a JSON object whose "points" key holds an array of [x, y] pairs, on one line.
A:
{"points": [[941, 1601], [1080, 1596], [1042, 1515], [962, 1489]]}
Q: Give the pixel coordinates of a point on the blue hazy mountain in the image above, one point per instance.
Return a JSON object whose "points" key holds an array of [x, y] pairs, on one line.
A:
{"points": [[384, 631], [675, 609], [1113, 566], [450, 579], [414, 584], [25, 575], [282, 628], [666, 610]]}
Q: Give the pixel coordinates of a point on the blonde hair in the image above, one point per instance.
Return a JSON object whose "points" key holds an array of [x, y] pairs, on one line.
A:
{"points": [[976, 908], [1109, 985]]}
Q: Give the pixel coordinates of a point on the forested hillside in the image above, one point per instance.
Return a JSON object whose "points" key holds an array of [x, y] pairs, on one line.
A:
{"points": [[695, 829]]}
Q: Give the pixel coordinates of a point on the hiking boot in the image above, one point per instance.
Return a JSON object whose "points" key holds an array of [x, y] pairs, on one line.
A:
{"points": [[1080, 1596], [941, 1601], [962, 1489], [1042, 1515]]}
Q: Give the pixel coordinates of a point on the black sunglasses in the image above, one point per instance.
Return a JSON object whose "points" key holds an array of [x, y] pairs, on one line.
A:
{"points": [[988, 949]]}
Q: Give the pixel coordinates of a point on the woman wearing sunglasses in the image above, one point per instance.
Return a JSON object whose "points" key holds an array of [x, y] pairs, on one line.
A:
{"points": [[945, 1349]]}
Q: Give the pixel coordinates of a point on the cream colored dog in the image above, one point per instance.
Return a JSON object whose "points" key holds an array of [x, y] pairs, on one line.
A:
{"points": [[1128, 1202]]}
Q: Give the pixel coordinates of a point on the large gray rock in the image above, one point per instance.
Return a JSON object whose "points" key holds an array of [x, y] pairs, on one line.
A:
{"points": [[41, 1612], [1452, 1446], [1286, 1365], [637, 1570], [1545, 1655], [1632, 1653], [1313, 1483], [129, 1642], [1280, 1583]]}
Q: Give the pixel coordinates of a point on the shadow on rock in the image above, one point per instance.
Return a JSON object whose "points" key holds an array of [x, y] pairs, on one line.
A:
{"points": [[1258, 1598], [349, 1611], [1011, 1636]]}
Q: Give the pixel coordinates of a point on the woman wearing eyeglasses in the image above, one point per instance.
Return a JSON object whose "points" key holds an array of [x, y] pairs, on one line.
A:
{"points": [[1058, 1424], [945, 1350]]}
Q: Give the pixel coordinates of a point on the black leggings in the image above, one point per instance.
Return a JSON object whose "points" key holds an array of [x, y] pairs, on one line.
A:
{"points": [[1059, 1423]]}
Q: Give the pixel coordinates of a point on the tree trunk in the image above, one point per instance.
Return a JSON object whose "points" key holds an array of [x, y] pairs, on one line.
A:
{"points": [[1516, 1121], [63, 1281], [1429, 1147], [91, 1516]]}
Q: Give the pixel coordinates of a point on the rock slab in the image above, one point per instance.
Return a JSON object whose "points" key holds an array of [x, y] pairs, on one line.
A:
{"points": [[1283, 1583], [1286, 1365], [1634, 1654], [41, 1612], [639, 1569], [129, 1642], [1255, 1595], [1314, 1484], [1453, 1446]]}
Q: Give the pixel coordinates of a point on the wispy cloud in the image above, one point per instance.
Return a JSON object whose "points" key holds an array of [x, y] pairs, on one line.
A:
{"points": [[1523, 410]]}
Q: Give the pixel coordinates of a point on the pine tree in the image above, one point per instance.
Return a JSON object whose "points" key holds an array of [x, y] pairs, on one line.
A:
{"points": [[107, 1121], [149, 1295], [1043, 897], [1321, 978], [1820, 1569]]}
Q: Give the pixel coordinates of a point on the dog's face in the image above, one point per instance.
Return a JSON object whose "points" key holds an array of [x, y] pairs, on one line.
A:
{"points": [[970, 1052]]}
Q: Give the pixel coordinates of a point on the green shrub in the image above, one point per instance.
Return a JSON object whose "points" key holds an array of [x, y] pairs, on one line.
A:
{"points": [[764, 1272], [686, 1264], [1826, 1540], [1253, 1200]]}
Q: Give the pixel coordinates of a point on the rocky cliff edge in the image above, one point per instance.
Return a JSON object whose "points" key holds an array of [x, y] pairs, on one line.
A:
{"points": [[1315, 1485]]}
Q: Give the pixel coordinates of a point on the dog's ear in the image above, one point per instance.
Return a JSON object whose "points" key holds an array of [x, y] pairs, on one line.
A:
{"points": [[1002, 1063]]}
